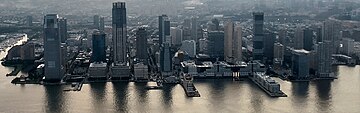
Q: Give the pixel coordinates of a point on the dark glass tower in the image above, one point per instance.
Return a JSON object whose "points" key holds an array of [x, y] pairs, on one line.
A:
{"points": [[216, 44], [52, 50], [119, 32], [165, 40], [98, 47], [258, 40], [141, 44], [63, 30], [308, 39]]}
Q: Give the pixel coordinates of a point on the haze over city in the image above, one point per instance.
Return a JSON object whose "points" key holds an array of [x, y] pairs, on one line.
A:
{"points": [[202, 56]]}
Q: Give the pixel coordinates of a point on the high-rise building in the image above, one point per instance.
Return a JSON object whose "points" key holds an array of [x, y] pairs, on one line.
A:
{"points": [[229, 40], [194, 27], [120, 68], [237, 49], [165, 40], [29, 20], [176, 35], [282, 36], [164, 28], [52, 50], [189, 46], [215, 45], [279, 52], [119, 32], [347, 46], [299, 38], [203, 45], [141, 43], [323, 55], [258, 40], [300, 64], [102, 24], [269, 41], [308, 39], [331, 32], [96, 21], [98, 46], [63, 30]]}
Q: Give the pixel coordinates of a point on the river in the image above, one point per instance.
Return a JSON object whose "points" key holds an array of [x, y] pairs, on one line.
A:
{"points": [[217, 96]]}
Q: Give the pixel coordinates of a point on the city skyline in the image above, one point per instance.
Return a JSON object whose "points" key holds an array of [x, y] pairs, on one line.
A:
{"points": [[176, 58]]}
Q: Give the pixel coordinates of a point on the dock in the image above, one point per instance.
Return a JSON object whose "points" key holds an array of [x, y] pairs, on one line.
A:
{"points": [[272, 94], [189, 87]]}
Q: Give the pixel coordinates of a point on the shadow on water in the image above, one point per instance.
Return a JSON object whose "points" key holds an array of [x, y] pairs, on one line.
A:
{"points": [[98, 95], [141, 96], [167, 96], [121, 96], [54, 102], [299, 94], [300, 90], [324, 99]]}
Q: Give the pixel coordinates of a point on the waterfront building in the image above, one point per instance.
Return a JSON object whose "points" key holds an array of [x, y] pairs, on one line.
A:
{"points": [[165, 40], [258, 40], [229, 40], [237, 49], [119, 32], [98, 70], [194, 29], [120, 68], [215, 45], [52, 50], [98, 46], [141, 43], [323, 55], [269, 41], [141, 72], [347, 46], [331, 32], [300, 64]]}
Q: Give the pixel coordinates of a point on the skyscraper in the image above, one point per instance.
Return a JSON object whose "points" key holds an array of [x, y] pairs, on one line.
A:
{"points": [[102, 24], [331, 32], [141, 43], [63, 30], [308, 39], [237, 49], [258, 40], [98, 46], [269, 41], [52, 50], [300, 64], [194, 27], [164, 28], [299, 38], [119, 32], [228, 43], [120, 68], [165, 40], [96, 21], [215, 45], [323, 54]]}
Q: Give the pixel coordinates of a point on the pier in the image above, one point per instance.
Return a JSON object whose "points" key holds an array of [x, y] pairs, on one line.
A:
{"points": [[188, 85]]}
